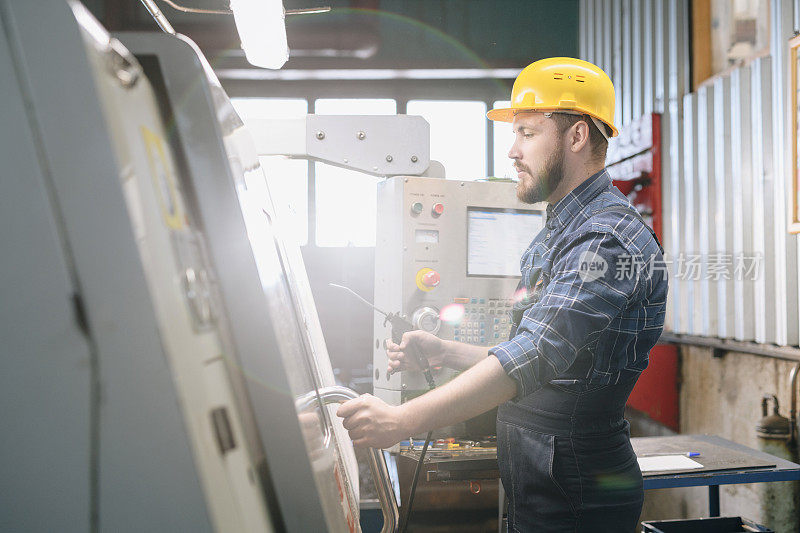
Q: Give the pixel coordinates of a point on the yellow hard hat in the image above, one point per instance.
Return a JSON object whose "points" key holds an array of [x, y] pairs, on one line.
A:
{"points": [[562, 84]]}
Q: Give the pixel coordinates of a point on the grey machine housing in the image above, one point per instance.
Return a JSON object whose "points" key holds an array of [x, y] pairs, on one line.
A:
{"points": [[161, 370]]}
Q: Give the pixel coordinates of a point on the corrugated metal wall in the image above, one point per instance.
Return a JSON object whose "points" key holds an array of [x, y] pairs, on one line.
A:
{"points": [[726, 179]]}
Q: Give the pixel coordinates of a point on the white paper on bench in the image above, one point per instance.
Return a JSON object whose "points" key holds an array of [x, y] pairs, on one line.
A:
{"points": [[667, 462]]}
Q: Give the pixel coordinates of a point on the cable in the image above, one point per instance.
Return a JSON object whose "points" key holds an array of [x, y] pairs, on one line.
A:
{"points": [[400, 326], [414, 481], [185, 9], [418, 469]]}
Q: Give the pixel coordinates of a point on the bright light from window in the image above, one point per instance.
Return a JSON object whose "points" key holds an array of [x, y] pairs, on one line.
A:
{"points": [[346, 199], [355, 106], [266, 108], [503, 136], [287, 178], [458, 135]]}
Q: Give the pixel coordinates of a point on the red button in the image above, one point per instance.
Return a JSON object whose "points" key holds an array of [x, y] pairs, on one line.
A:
{"points": [[438, 209], [431, 279]]}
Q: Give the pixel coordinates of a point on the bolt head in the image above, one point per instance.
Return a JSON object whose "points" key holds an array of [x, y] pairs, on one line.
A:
{"points": [[414, 159], [320, 135], [389, 159], [361, 135]]}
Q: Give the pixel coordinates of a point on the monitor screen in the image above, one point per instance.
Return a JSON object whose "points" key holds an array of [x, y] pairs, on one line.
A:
{"points": [[496, 239]]}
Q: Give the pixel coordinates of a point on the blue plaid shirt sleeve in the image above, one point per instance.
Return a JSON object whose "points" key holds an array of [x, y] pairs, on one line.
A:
{"points": [[574, 308]]}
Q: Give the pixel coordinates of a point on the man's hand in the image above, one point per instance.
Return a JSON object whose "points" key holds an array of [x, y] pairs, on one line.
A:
{"points": [[372, 423], [430, 346]]}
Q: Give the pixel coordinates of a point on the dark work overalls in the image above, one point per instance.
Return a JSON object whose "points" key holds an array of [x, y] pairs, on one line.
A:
{"points": [[565, 456]]}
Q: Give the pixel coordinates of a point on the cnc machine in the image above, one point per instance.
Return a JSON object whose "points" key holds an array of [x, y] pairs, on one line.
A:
{"points": [[163, 365]]}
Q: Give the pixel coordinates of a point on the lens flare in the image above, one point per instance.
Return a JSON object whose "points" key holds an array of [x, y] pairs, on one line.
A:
{"points": [[520, 295], [452, 314]]}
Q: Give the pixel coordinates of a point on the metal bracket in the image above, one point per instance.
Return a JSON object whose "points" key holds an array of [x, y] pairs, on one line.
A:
{"points": [[381, 145]]}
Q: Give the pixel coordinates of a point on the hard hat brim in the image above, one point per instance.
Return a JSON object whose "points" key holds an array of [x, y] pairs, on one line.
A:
{"points": [[506, 114]]}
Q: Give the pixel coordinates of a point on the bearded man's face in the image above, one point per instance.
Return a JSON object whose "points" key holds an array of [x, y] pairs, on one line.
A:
{"points": [[538, 156]]}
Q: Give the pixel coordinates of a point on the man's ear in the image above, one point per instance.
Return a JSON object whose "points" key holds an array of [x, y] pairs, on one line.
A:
{"points": [[579, 136]]}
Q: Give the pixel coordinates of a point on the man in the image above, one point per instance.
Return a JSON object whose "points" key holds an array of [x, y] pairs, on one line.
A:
{"points": [[581, 334]]}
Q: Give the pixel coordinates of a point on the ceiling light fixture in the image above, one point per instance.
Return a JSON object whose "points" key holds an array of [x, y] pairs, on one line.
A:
{"points": [[262, 30]]}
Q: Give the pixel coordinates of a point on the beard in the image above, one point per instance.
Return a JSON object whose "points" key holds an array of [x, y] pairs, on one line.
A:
{"points": [[534, 189]]}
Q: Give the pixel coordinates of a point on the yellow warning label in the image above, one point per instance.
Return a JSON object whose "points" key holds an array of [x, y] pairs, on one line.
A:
{"points": [[163, 179]]}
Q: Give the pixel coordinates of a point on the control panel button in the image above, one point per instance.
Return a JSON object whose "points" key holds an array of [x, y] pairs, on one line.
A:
{"points": [[431, 279], [426, 319], [437, 209], [427, 279], [416, 208]]}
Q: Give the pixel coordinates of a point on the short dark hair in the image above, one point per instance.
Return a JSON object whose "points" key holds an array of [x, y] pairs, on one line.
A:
{"points": [[599, 144]]}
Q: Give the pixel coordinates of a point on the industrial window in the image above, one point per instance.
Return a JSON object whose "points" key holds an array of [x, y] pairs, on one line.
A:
{"points": [[346, 199], [287, 178], [458, 135], [503, 137]]}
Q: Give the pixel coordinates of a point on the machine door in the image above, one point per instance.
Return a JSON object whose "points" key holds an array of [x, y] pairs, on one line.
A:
{"points": [[280, 358], [180, 285]]}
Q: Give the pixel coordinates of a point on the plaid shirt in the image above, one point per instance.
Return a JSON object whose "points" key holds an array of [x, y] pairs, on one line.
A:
{"points": [[595, 294]]}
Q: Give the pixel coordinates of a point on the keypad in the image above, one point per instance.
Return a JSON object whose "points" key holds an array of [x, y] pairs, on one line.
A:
{"points": [[485, 321]]}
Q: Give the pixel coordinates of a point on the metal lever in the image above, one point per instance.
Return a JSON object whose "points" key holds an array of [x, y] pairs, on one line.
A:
{"points": [[377, 464]]}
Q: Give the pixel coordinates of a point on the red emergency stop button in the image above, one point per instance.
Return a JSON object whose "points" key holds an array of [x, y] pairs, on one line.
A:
{"points": [[437, 209], [431, 279], [427, 279]]}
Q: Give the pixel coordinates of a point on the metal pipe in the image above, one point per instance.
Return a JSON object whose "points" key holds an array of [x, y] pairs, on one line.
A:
{"points": [[377, 464], [786, 353], [158, 16], [308, 10]]}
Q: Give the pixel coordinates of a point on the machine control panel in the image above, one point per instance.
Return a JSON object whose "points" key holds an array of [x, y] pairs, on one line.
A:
{"points": [[447, 258], [485, 322]]}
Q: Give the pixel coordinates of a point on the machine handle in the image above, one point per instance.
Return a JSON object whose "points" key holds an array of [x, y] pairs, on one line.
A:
{"points": [[377, 463]]}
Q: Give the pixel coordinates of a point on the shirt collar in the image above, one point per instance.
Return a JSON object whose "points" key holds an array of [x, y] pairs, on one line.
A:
{"points": [[560, 213]]}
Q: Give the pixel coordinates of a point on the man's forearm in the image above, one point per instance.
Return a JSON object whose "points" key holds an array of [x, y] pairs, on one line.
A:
{"points": [[482, 387], [461, 356]]}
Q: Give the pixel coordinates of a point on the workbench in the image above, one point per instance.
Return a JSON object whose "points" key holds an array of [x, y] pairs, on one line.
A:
{"points": [[724, 463]]}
